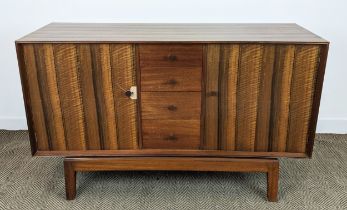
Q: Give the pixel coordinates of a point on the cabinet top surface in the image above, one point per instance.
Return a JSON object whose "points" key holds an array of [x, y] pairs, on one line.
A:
{"points": [[173, 32]]}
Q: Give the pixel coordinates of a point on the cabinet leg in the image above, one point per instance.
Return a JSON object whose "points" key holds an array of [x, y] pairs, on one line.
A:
{"points": [[272, 181], [269, 166], [70, 180]]}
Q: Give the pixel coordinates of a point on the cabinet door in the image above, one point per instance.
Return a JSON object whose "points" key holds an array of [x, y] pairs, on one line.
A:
{"points": [[75, 96], [259, 97]]}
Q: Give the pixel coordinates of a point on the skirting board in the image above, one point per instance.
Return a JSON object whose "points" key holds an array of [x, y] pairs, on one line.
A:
{"points": [[325, 125]]}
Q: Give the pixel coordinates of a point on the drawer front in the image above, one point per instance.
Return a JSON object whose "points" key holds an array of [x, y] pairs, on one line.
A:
{"points": [[171, 134], [171, 106], [170, 55], [171, 79]]}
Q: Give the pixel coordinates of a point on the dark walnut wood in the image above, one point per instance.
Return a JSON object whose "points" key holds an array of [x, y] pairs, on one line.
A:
{"points": [[171, 79], [268, 166], [261, 95], [171, 106], [77, 95], [171, 134], [248, 97], [173, 32], [169, 55], [206, 93]]}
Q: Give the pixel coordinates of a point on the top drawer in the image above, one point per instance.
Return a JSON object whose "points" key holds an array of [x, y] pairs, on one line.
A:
{"points": [[170, 55]]}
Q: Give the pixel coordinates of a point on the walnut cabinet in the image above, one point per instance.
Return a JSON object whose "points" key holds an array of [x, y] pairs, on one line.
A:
{"points": [[185, 91]]}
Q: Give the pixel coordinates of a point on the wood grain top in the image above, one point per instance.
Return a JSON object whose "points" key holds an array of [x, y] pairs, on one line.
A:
{"points": [[172, 32]]}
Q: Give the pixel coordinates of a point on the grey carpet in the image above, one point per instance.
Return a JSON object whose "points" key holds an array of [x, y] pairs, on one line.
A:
{"points": [[38, 183]]}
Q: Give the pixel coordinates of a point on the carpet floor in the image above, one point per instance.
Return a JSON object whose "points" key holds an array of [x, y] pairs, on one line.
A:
{"points": [[38, 183]]}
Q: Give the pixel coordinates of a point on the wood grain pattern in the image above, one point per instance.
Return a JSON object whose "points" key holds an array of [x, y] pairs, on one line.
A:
{"points": [[261, 78], [172, 106], [91, 125], [170, 153], [38, 115], [69, 91], [173, 32], [49, 90], [264, 99], [172, 163], [255, 100], [302, 88], [322, 61], [211, 96], [171, 79], [281, 96], [26, 98], [171, 134], [123, 77], [170, 55], [247, 96], [269, 166], [77, 96], [104, 95], [170, 119], [227, 100]]}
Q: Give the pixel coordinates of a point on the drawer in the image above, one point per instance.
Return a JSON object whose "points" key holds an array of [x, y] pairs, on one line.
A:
{"points": [[171, 105], [171, 134], [171, 79], [170, 55]]}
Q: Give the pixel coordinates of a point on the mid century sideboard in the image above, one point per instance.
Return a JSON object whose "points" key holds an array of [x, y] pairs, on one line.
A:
{"points": [[198, 97]]}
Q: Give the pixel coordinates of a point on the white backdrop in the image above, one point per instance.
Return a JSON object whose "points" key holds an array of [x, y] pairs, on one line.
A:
{"points": [[325, 18]]}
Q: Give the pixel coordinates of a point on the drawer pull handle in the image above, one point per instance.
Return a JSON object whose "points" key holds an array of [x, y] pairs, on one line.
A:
{"points": [[172, 108], [171, 137], [172, 57], [172, 82]]}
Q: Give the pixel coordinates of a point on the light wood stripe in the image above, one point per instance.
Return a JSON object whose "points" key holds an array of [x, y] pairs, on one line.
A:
{"points": [[35, 98], [66, 66], [123, 77], [247, 96], [50, 95], [211, 96], [302, 88], [264, 99], [88, 97], [281, 97], [227, 105], [104, 95]]}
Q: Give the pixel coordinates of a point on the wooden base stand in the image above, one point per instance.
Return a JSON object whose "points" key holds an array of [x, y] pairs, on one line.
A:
{"points": [[269, 166]]}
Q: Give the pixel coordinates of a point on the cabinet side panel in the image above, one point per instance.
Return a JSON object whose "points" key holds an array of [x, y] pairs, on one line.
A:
{"points": [[302, 89], [104, 95], [281, 96], [264, 99], [123, 77], [65, 57], [211, 96], [318, 85], [47, 81], [92, 134], [38, 116], [227, 100], [247, 96]]}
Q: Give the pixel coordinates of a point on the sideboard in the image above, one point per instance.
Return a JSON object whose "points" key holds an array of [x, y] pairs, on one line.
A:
{"points": [[197, 97]]}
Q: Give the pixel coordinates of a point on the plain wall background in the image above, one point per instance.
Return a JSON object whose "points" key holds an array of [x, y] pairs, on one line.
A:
{"points": [[325, 18]]}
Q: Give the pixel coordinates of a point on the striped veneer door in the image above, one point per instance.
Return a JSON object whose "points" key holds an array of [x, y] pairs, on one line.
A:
{"points": [[77, 98], [258, 97]]}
